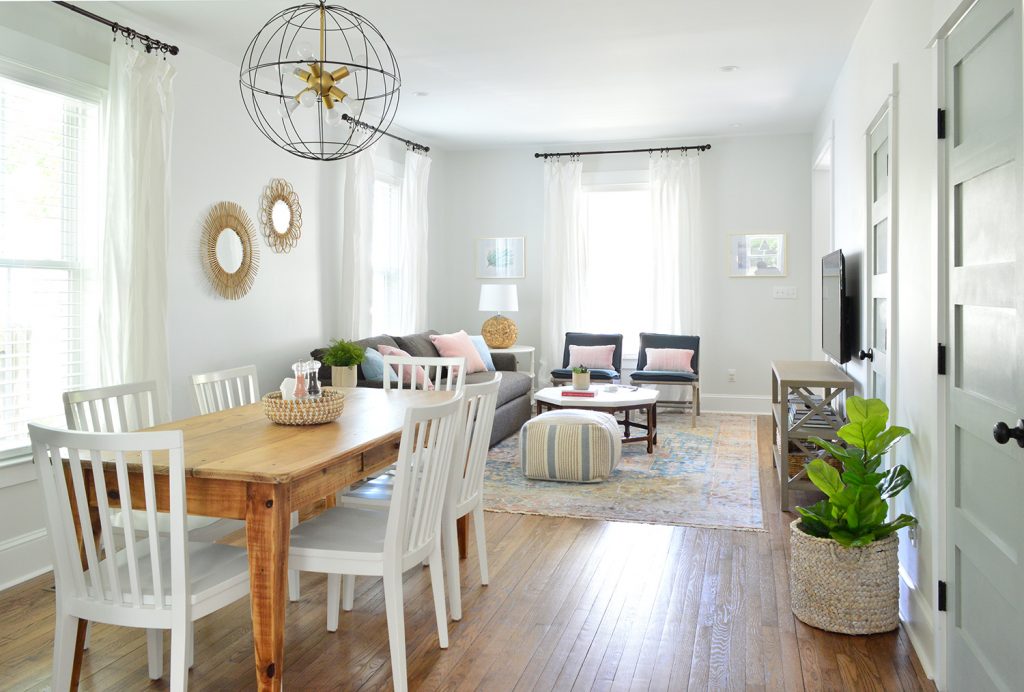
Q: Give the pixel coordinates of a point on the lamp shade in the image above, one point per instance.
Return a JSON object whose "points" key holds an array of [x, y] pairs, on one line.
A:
{"points": [[499, 298]]}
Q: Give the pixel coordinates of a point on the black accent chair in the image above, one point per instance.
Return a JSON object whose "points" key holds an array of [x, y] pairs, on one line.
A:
{"points": [[564, 374], [670, 377]]}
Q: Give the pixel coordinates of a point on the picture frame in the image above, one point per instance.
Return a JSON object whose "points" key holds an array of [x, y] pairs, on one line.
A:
{"points": [[757, 255], [501, 258]]}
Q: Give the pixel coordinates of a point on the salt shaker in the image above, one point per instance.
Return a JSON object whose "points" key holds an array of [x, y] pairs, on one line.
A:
{"points": [[300, 380], [313, 381]]}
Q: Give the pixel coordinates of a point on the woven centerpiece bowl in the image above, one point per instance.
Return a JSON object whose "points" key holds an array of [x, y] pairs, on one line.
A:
{"points": [[846, 590], [304, 411]]}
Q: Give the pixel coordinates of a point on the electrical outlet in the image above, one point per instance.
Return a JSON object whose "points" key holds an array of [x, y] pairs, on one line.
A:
{"points": [[784, 292], [732, 374]]}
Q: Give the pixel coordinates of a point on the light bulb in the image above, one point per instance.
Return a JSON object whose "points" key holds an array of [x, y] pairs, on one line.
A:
{"points": [[307, 99], [334, 116], [285, 107], [358, 62], [305, 50]]}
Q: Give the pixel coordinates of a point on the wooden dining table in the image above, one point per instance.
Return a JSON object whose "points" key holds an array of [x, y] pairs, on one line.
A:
{"points": [[240, 465]]}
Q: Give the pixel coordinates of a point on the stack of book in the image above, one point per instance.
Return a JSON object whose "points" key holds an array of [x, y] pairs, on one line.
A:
{"points": [[578, 393]]}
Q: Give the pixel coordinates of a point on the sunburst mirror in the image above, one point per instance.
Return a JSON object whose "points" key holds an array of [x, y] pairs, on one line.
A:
{"points": [[280, 215], [231, 256]]}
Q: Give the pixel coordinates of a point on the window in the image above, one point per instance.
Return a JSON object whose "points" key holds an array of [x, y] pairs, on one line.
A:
{"points": [[385, 301], [49, 242], [619, 272]]}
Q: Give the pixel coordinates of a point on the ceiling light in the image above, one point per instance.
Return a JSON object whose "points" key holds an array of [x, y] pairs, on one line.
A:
{"points": [[729, 68], [315, 55]]}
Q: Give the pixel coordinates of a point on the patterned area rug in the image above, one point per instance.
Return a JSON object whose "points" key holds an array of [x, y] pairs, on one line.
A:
{"points": [[704, 476]]}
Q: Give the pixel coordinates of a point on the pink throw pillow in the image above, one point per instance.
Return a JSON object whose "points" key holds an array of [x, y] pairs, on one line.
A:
{"points": [[407, 373], [591, 357], [669, 359], [459, 345]]}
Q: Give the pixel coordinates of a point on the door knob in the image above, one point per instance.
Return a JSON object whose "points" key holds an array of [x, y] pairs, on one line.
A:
{"points": [[867, 355], [1004, 433]]}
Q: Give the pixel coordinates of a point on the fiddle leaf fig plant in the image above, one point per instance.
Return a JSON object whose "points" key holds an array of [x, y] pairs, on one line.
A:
{"points": [[856, 510]]}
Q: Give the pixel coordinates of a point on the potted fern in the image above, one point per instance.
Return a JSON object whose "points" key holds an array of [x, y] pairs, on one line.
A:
{"points": [[343, 357], [844, 563], [580, 378]]}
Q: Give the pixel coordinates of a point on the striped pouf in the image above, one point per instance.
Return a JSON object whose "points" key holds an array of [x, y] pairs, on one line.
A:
{"points": [[570, 445]]}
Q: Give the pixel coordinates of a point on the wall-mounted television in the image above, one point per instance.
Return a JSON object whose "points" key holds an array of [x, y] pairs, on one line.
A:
{"points": [[836, 308]]}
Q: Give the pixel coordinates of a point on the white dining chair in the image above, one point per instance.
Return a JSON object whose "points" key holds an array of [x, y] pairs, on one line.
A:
{"points": [[465, 491], [223, 389], [446, 374], [155, 581], [389, 542]]}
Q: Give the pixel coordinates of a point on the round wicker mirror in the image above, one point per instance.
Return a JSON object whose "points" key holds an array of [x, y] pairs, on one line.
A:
{"points": [[280, 215], [231, 256]]}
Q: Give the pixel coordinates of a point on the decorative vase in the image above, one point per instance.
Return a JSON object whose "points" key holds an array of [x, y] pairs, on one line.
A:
{"points": [[343, 376], [581, 380], [846, 590]]}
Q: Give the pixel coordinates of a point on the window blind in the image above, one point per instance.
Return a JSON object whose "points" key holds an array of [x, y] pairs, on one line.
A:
{"points": [[50, 202]]}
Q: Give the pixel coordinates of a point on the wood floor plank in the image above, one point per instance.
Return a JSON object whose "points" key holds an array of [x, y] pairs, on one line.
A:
{"points": [[598, 605]]}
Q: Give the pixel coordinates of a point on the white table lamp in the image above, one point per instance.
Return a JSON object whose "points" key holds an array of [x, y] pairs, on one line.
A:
{"points": [[499, 331]]}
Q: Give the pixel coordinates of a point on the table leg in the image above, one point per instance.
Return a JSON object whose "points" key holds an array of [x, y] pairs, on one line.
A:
{"points": [[538, 408], [76, 665], [652, 427], [460, 530], [266, 533], [625, 422]]}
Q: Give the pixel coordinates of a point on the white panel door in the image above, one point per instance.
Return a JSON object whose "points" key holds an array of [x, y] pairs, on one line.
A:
{"points": [[986, 381], [881, 262]]}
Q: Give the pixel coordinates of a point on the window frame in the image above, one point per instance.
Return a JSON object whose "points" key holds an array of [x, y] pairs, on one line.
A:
{"points": [[15, 71]]}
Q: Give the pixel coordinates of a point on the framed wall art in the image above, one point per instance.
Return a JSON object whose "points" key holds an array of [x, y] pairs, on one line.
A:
{"points": [[500, 258], [757, 255]]}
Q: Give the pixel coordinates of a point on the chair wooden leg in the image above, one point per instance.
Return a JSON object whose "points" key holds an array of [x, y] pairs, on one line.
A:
{"points": [[191, 644], [437, 586], [179, 654], [155, 653], [333, 601], [395, 608], [88, 635], [450, 550], [694, 405], [64, 652], [481, 544], [348, 592]]}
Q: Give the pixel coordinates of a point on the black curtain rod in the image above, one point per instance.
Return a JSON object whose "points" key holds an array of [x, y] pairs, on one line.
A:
{"points": [[149, 42], [408, 142], [699, 147]]}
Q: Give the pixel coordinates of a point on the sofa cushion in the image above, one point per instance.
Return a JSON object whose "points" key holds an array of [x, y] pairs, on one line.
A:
{"points": [[513, 384], [595, 374], [662, 376], [418, 345]]}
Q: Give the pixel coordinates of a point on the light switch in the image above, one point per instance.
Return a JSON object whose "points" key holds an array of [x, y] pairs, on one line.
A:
{"points": [[784, 292]]}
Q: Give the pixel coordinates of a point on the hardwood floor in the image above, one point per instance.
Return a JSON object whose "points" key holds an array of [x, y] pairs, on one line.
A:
{"points": [[573, 605]]}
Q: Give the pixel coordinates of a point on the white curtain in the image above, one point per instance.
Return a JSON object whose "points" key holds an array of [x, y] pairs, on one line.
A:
{"points": [[356, 272], [133, 313], [565, 258], [412, 250], [675, 226]]}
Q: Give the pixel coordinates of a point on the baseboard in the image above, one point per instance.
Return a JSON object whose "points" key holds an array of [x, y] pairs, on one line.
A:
{"points": [[735, 403], [921, 619], [24, 557]]}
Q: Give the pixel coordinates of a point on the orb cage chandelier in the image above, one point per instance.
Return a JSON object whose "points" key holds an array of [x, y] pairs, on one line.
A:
{"points": [[320, 82]]}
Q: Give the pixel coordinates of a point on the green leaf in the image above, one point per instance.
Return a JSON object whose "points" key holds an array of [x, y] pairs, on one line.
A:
{"points": [[844, 538], [837, 451], [862, 433], [825, 477], [859, 410], [894, 482], [884, 442], [902, 521]]}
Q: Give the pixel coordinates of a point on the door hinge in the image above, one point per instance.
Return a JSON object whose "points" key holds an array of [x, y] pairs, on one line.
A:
{"points": [[942, 596], [942, 359], [941, 125]]}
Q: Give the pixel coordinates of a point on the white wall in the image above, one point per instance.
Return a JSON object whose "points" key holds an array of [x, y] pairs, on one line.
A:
{"points": [[898, 33], [749, 184]]}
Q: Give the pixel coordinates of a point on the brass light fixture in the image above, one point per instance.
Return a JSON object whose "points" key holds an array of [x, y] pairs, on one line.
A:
{"points": [[334, 64]]}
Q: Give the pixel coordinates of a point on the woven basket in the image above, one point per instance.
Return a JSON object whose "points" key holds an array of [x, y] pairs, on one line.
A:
{"points": [[304, 411], [846, 590]]}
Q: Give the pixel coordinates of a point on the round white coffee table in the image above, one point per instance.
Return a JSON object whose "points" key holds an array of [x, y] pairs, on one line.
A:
{"points": [[624, 400]]}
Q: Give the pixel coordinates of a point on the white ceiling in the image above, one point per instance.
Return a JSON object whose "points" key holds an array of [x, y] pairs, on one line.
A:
{"points": [[561, 71]]}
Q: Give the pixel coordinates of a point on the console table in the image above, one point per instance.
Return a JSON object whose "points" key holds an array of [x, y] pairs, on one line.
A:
{"points": [[804, 398]]}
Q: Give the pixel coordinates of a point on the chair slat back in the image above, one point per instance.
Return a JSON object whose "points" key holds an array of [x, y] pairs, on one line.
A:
{"points": [[421, 477], [467, 482], [434, 371], [116, 409], [224, 389], [96, 466]]}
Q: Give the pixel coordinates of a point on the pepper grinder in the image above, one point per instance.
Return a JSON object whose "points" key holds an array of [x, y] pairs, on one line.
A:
{"points": [[300, 380], [313, 383]]}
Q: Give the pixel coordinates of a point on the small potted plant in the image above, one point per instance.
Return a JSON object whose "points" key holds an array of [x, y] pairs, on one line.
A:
{"points": [[844, 563], [343, 357], [580, 378]]}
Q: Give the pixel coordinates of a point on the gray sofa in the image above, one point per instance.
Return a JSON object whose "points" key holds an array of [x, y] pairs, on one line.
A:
{"points": [[513, 394]]}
